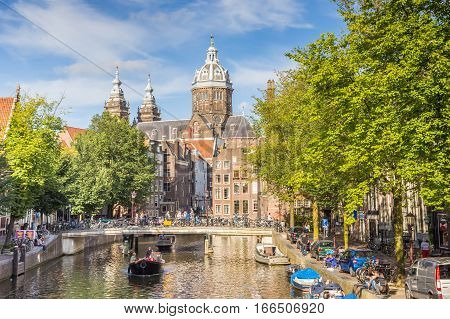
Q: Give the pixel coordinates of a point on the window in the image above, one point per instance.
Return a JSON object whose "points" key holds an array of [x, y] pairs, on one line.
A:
{"points": [[218, 179], [254, 187], [234, 159], [245, 207], [244, 174], [218, 209], [174, 133], [218, 165], [226, 164], [167, 187], [236, 207], [255, 205], [226, 178], [244, 188], [236, 174], [226, 209], [196, 128], [217, 94], [236, 189], [218, 193], [226, 193]]}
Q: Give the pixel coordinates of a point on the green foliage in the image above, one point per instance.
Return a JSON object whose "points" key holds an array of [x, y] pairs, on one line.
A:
{"points": [[30, 154], [111, 161], [367, 109]]}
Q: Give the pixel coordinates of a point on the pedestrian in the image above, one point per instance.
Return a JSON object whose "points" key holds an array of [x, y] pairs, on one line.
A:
{"points": [[425, 248]]}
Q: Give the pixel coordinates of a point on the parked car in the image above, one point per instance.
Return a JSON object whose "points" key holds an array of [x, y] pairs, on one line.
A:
{"points": [[294, 233], [319, 248], [304, 242], [428, 278], [352, 259]]}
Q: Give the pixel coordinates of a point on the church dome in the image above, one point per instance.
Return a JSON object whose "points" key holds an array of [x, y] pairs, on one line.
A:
{"points": [[211, 74]]}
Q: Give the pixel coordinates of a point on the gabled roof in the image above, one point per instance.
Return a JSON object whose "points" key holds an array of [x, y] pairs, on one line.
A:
{"points": [[238, 126], [69, 134], [205, 147], [6, 108]]}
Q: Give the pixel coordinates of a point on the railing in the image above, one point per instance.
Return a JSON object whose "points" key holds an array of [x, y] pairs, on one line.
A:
{"points": [[143, 223]]}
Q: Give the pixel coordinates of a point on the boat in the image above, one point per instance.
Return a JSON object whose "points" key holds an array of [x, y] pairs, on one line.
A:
{"points": [[303, 279], [290, 269], [151, 265], [270, 254], [165, 241], [326, 291]]}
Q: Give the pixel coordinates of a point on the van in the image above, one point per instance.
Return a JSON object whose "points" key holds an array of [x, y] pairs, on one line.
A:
{"points": [[428, 278]]}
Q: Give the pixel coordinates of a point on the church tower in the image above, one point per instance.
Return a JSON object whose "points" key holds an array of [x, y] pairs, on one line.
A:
{"points": [[148, 111], [212, 91], [116, 103]]}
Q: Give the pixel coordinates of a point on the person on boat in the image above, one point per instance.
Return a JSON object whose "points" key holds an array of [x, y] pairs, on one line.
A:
{"points": [[133, 257]]}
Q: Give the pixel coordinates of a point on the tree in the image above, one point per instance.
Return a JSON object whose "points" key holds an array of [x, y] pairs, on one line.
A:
{"points": [[30, 156], [111, 160]]}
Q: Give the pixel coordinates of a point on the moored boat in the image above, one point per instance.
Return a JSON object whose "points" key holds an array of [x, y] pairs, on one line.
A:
{"points": [[303, 279], [147, 266], [290, 269], [270, 254], [165, 242], [326, 291]]}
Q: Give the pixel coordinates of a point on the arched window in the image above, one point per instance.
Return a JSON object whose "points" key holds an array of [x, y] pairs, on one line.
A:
{"points": [[174, 133], [154, 135], [196, 128]]}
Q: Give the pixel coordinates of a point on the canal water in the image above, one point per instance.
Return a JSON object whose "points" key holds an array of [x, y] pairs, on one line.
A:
{"points": [[230, 272]]}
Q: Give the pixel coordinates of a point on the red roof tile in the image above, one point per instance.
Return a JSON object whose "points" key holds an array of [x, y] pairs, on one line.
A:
{"points": [[6, 107], [69, 134], [205, 147]]}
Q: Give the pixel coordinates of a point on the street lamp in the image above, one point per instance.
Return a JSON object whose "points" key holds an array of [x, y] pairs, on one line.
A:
{"points": [[133, 196], [410, 221]]}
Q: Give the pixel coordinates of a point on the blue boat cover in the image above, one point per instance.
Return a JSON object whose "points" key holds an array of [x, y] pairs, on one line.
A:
{"points": [[350, 296], [307, 273]]}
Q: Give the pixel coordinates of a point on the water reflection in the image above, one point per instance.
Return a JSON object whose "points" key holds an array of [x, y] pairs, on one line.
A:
{"points": [[230, 272]]}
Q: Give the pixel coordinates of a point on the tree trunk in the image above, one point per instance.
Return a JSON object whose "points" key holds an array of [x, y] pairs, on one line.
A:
{"points": [[291, 215], [9, 231], [109, 211], [345, 226], [315, 212], [397, 221]]}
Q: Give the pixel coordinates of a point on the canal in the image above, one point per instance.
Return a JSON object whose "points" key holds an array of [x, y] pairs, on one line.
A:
{"points": [[230, 272]]}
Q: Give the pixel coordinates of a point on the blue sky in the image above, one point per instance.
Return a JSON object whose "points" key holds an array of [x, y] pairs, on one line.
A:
{"points": [[167, 39]]}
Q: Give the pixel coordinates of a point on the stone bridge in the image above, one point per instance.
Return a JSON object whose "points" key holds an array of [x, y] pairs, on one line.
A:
{"points": [[76, 241]]}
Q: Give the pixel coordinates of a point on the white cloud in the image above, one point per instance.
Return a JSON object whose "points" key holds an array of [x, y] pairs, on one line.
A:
{"points": [[134, 42]]}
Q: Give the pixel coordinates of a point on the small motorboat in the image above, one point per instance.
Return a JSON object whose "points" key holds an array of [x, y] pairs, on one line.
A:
{"points": [[147, 266], [303, 279], [165, 242], [326, 291], [290, 269], [270, 254]]}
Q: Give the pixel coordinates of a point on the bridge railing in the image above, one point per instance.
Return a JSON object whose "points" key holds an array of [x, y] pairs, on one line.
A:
{"points": [[151, 223]]}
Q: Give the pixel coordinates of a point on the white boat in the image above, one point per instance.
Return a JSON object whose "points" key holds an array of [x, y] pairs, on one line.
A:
{"points": [[165, 241], [270, 255]]}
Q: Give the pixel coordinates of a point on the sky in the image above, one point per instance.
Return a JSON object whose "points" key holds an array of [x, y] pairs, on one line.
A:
{"points": [[166, 39]]}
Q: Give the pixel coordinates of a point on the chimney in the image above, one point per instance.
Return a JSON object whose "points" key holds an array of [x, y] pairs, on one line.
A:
{"points": [[270, 90]]}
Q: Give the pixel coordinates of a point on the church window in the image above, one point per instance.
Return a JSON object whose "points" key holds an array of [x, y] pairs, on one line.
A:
{"points": [[217, 95], [154, 135], [174, 133], [196, 128], [205, 74]]}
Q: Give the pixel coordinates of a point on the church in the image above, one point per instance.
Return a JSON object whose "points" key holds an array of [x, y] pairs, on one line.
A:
{"points": [[201, 161]]}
